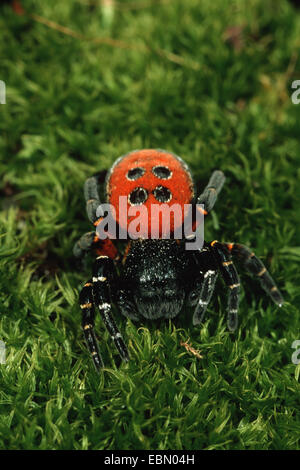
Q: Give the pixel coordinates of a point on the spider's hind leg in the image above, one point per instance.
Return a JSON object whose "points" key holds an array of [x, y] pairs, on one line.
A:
{"points": [[255, 266]]}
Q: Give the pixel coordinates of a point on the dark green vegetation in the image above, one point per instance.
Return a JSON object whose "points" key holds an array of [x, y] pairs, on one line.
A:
{"points": [[210, 81]]}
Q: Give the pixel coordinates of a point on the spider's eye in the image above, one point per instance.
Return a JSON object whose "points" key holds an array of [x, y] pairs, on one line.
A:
{"points": [[162, 172], [135, 173], [162, 194], [138, 196]]}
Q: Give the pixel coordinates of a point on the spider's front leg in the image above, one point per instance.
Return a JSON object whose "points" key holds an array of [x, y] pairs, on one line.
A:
{"points": [[231, 279], [86, 302], [209, 196], [104, 276], [97, 292]]}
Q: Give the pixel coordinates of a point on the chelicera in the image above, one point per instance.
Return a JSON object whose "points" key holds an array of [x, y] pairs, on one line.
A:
{"points": [[157, 278]]}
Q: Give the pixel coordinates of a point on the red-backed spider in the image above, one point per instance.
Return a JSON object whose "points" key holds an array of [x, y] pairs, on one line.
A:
{"points": [[156, 278]]}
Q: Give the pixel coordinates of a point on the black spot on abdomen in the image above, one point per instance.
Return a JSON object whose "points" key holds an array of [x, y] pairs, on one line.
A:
{"points": [[138, 196], [162, 194]]}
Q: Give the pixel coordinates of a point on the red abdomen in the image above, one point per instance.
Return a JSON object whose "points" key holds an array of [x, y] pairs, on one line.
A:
{"points": [[149, 177]]}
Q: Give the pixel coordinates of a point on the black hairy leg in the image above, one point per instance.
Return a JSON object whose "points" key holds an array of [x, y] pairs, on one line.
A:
{"points": [[255, 266], [209, 196], [207, 289], [104, 276], [97, 293], [86, 303], [231, 279], [92, 199]]}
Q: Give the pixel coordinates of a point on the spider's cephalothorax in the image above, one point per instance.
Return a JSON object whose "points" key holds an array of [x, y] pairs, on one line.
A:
{"points": [[156, 278]]}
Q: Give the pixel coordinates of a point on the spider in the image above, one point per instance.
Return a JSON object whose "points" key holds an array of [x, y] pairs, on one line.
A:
{"points": [[156, 278]]}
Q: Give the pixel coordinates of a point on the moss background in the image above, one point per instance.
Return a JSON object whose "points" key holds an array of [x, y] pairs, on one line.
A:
{"points": [[86, 82]]}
